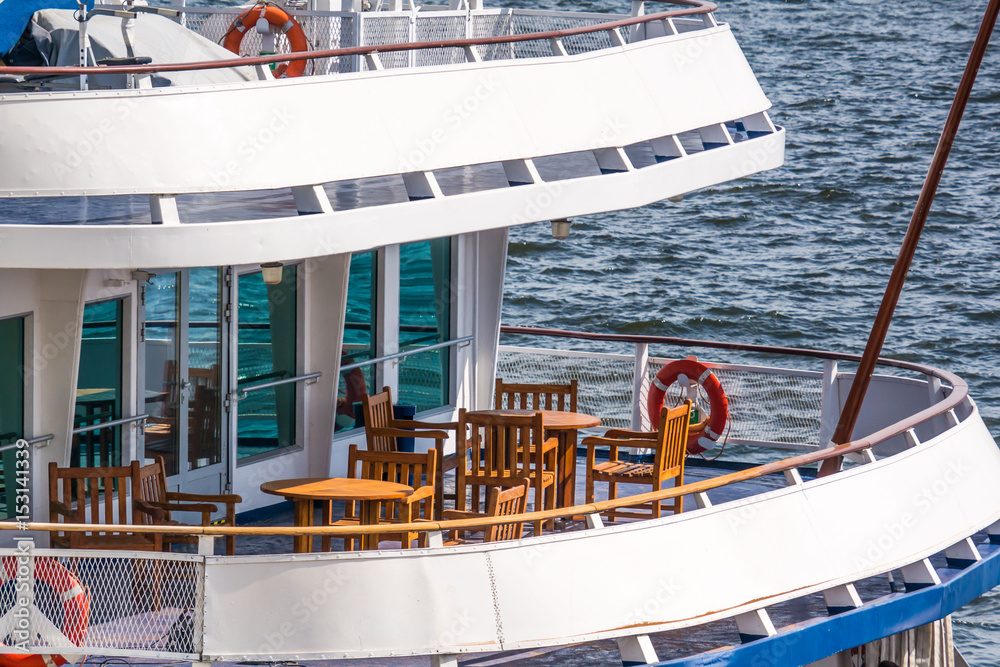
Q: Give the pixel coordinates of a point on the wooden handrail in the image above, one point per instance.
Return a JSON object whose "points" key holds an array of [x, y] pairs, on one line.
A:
{"points": [[960, 392], [693, 7]]}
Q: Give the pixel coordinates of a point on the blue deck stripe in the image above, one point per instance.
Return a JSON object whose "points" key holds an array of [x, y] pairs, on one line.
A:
{"points": [[815, 639]]}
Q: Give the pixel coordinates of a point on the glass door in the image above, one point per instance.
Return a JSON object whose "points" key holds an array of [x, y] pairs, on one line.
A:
{"points": [[184, 381], [11, 409]]}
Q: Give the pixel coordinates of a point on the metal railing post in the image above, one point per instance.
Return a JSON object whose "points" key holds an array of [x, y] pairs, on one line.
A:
{"points": [[638, 384], [830, 410]]}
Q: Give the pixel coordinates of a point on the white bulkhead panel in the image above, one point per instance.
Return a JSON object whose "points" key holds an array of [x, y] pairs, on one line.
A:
{"points": [[684, 570], [322, 129]]}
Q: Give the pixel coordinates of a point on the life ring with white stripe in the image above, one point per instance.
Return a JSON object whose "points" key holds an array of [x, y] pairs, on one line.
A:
{"points": [[281, 20], [75, 602], [689, 371]]}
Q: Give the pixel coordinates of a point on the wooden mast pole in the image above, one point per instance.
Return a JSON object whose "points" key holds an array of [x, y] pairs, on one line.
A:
{"points": [[856, 396]]}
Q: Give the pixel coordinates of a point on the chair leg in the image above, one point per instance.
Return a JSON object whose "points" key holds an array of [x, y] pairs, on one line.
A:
{"points": [[679, 500], [612, 494], [439, 489]]}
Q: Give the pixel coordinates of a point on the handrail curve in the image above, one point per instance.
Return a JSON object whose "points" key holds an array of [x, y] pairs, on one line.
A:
{"points": [[693, 7], [956, 397]]}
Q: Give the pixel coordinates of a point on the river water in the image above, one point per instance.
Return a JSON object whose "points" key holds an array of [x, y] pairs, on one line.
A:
{"points": [[799, 256]]}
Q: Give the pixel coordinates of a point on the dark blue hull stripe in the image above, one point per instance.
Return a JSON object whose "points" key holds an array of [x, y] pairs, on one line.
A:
{"points": [[815, 639]]}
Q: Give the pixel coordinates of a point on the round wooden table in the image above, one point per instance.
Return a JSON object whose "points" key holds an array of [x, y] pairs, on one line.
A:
{"points": [[564, 426], [304, 490]]}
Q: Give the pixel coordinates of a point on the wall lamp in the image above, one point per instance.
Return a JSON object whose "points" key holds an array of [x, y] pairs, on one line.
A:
{"points": [[271, 272], [560, 229]]}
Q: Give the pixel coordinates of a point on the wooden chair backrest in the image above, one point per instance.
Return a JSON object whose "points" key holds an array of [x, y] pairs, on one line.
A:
{"points": [[501, 445], [414, 470], [203, 423], [152, 486], [671, 441], [512, 396], [505, 503], [377, 411], [94, 495]]}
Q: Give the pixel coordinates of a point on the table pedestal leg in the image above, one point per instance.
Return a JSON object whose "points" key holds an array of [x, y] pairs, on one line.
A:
{"points": [[369, 517], [566, 480], [324, 543], [303, 518]]}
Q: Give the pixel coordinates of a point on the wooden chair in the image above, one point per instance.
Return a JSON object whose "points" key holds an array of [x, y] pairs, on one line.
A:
{"points": [[504, 447], [381, 431], [512, 500], [416, 470], [512, 396], [97, 496], [158, 504], [669, 443]]}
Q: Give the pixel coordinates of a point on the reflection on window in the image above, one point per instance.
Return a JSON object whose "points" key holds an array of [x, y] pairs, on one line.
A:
{"points": [[11, 408], [359, 340], [99, 386], [267, 336], [204, 364], [162, 350], [424, 319]]}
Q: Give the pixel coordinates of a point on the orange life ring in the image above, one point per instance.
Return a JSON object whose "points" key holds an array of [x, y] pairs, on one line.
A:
{"points": [[280, 19], [76, 608], [697, 373]]}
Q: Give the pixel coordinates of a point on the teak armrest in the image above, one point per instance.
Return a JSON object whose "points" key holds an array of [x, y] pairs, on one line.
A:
{"points": [[461, 514], [61, 509], [631, 443], [625, 433], [404, 423], [406, 433], [184, 507], [146, 507], [205, 497], [424, 492]]}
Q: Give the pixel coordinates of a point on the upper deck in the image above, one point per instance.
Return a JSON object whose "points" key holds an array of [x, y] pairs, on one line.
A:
{"points": [[584, 113]]}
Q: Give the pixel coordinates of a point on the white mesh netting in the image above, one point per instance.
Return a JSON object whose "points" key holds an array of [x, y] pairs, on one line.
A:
{"points": [[763, 406], [85, 603], [384, 28]]}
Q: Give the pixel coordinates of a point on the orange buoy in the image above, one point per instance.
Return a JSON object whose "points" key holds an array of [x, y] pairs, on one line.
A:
{"points": [[281, 20], [698, 373], [76, 609]]}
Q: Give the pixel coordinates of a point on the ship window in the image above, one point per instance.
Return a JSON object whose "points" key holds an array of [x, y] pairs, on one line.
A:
{"points": [[425, 320], [11, 407], [359, 339], [267, 353], [99, 386]]}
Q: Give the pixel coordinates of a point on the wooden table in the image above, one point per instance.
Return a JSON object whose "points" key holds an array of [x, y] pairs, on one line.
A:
{"points": [[368, 492], [563, 425]]}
